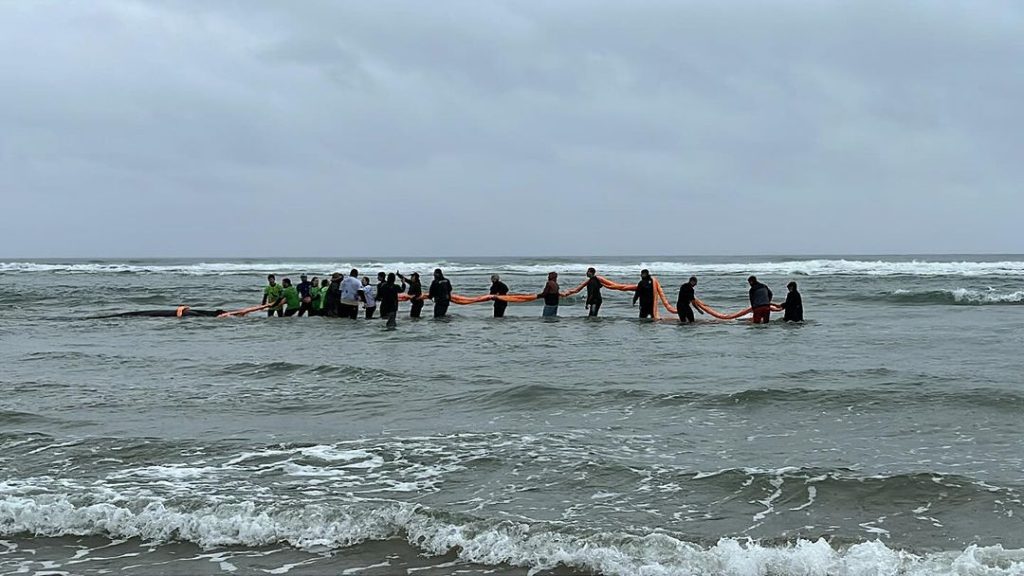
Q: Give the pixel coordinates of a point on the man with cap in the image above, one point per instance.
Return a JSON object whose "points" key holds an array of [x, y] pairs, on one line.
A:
{"points": [[498, 288]]}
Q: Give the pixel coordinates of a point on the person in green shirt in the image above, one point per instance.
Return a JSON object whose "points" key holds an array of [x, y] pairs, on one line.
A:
{"points": [[291, 297], [316, 301], [273, 294]]}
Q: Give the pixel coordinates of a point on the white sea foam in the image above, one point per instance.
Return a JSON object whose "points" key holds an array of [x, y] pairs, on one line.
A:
{"points": [[489, 543], [812, 267], [986, 296]]}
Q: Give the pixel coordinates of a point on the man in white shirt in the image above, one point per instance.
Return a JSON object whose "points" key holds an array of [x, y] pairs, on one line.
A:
{"points": [[350, 289], [369, 298]]}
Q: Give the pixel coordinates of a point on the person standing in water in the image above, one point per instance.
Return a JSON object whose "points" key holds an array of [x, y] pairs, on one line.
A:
{"points": [[794, 305], [387, 297], [369, 297], [331, 296], [440, 293], [760, 301], [415, 292], [644, 293], [272, 294], [305, 289], [499, 288], [315, 305], [291, 297], [349, 298], [593, 292], [686, 297], [551, 296]]}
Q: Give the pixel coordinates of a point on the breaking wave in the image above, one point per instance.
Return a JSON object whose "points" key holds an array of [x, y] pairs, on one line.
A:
{"points": [[961, 296], [813, 267], [536, 546]]}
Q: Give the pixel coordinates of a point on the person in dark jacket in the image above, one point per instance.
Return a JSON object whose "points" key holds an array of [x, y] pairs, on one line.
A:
{"points": [[415, 291], [440, 293], [499, 288], [686, 297], [332, 300], [593, 292], [760, 301], [644, 293], [794, 305], [305, 289], [387, 299], [551, 296]]}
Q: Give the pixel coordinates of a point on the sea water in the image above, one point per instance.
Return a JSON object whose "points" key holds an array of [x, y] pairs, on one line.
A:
{"points": [[881, 436]]}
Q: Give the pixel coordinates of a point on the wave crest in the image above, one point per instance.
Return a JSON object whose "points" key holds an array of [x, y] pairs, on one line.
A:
{"points": [[537, 546]]}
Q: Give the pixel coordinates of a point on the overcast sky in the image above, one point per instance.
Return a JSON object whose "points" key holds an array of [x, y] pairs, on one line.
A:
{"points": [[489, 128]]}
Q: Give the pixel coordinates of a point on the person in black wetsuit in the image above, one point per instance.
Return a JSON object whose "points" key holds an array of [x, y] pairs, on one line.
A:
{"points": [[440, 293], [593, 292], [387, 299], [499, 288], [415, 291], [644, 293], [305, 289], [793, 306], [686, 297]]}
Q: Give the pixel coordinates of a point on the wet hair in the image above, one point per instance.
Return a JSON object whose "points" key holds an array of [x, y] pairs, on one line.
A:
{"points": [[645, 272], [390, 278], [381, 275], [792, 284], [752, 279], [353, 272], [693, 278], [495, 277], [591, 270], [552, 275]]}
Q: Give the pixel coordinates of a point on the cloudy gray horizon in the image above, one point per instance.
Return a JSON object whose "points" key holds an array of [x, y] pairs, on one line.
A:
{"points": [[504, 128]]}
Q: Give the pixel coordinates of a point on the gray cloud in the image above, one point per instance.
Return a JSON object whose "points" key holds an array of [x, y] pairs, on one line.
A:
{"points": [[508, 128]]}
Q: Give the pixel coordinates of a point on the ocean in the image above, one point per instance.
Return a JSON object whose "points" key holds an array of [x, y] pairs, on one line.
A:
{"points": [[881, 436]]}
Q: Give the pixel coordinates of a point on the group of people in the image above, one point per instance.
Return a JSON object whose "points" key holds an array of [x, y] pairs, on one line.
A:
{"points": [[342, 296]]}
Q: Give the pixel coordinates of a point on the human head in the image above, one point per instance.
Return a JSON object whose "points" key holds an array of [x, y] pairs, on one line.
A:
{"points": [[791, 286], [315, 281], [286, 282], [752, 280], [438, 274], [353, 273], [415, 276], [693, 280], [366, 280], [591, 272], [271, 279], [381, 276], [495, 278], [302, 277], [336, 277], [645, 273], [552, 275], [390, 278]]}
